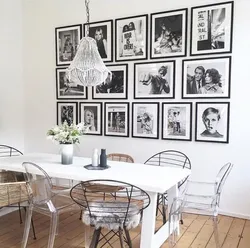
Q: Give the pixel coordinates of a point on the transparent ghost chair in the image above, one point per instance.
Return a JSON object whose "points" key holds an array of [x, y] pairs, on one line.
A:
{"points": [[201, 198], [44, 200], [170, 158]]}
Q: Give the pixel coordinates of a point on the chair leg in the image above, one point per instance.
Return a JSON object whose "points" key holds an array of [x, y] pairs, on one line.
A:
{"points": [[53, 228], [128, 237], [27, 226], [80, 218], [121, 237], [216, 234], [158, 202], [20, 214], [32, 225], [95, 238], [164, 218]]}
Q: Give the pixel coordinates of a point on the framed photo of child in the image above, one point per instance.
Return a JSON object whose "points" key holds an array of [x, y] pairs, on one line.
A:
{"points": [[102, 32], [145, 120], [131, 38], [212, 122], [177, 121]]}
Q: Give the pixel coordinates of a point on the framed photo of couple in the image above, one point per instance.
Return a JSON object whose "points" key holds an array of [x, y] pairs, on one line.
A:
{"points": [[212, 29], [212, 122], [102, 32], [177, 121], [206, 78], [91, 115]]}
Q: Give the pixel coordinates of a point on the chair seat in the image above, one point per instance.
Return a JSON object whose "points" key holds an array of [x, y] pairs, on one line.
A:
{"points": [[113, 215]]}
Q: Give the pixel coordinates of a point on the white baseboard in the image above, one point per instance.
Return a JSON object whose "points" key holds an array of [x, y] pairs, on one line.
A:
{"points": [[241, 216], [7, 210]]}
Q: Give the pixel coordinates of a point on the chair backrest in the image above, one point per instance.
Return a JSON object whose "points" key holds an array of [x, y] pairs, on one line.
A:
{"points": [[120, 157], [8, 151], [38, 183], [114, 199], [170, 158], [222, 176]]}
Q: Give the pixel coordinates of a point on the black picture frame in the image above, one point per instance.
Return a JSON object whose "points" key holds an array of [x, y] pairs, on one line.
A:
{"points": [[149, 112], [212, 122], [117, 88], [154, 80], [114, 125], [70, 112], [132, 49], [216, 85], [95, 109], [168, 36], [209, 39], [176, 121], [104, 28], [66, 90], [67, 39]]}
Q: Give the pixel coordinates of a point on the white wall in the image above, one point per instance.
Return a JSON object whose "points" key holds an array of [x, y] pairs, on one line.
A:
{"points": [[40, 20], [11, 79]]}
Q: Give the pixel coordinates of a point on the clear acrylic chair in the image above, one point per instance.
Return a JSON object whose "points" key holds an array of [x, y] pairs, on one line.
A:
{"points": [[170, 158], [44, 200], [120, 157], [113, 205], [201, 198]]}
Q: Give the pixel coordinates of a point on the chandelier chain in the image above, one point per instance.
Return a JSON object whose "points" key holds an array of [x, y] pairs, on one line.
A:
{"points": [[87, 14]]}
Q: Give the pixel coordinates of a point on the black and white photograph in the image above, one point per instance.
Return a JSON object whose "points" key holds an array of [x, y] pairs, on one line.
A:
{"points": [[206, 78], [116, 119], [67, 111], [102, 32], [154, 80], [212, 122], [177, 121], [66, 89], [211, 29], [131, 38], [168, 34], [67, 41], [145, 120], [115, 86], [91, 115]]}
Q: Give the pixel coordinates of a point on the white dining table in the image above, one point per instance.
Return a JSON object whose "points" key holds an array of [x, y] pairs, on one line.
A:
{"points": [[152, 179]]}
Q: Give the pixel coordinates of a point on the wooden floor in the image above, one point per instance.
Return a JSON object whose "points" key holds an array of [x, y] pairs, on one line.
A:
{"points": [[197, 231]]}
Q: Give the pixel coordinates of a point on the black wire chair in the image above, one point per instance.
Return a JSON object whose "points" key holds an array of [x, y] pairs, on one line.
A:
{"points": [[170, 158], [11, 176], [109, 204]]}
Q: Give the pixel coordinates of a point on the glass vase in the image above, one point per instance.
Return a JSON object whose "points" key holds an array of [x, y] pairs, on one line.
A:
{"points": [[67, 153]]}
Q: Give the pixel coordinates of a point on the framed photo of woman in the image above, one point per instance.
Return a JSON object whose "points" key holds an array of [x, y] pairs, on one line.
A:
{"points": [[116, 122], [67, 41], [212, 122], [206, 78], [177, 121], [102, 32], [145, 120], [115, 87], [212, 29], [168, 34], [131, 38], [67, 111], [91, 115], [154, 80], [66, 89]]}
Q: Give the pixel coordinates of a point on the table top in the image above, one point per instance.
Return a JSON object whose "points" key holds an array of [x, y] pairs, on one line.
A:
{"points": [[147, 177]]}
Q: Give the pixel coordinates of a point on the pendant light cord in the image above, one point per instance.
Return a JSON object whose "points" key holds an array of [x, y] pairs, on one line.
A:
{"points": [[87, 14]]}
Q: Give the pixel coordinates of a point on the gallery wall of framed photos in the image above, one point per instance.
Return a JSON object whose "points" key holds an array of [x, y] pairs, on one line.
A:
{"points": [[148, 48]]}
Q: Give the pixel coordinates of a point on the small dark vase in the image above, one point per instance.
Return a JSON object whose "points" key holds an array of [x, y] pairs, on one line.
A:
{"points": [[103, 158]]}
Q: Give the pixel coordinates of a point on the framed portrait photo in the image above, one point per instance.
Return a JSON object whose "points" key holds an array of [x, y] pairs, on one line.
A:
{"points": [[66, 89], [67, 41], [154, 80], [145, 120], [212, 122], [168, 34], [102, 32], [67, 111], [177, 121], [131, 38], [116, 121], [206, 78], [211, 29], [91, 115], [115, 87]]}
